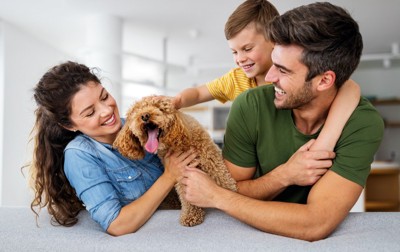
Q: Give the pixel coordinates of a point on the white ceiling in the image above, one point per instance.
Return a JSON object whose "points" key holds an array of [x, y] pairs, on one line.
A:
{"points": [[60, 22]]}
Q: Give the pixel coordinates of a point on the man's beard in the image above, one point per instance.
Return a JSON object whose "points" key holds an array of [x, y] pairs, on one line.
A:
{"points": [[295, 101]]}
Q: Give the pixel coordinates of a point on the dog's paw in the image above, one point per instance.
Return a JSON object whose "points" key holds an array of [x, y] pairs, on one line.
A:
{"points": [[192, 219]]}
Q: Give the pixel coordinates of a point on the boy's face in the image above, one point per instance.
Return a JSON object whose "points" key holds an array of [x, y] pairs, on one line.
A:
{"points": [[252, 52]]}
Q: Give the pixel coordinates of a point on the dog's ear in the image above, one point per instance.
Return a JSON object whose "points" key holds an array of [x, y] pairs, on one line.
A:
{"points": [[178, 135], [128, 144]]}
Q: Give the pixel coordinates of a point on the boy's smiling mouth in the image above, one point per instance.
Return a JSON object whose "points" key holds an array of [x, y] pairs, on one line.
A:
{"points": [[247, 66]]}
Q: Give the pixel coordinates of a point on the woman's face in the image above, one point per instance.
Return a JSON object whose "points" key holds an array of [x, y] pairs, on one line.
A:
{"points": [[95, 113]]}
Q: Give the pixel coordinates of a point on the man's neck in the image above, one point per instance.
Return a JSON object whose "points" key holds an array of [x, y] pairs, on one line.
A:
{"points": [[309, 118]]}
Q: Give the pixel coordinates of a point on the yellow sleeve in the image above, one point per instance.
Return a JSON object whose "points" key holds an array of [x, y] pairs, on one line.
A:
{"points": [[230, 85]]}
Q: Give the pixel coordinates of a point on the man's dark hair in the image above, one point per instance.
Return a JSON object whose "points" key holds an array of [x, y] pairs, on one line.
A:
{"points": [[328, 34]]}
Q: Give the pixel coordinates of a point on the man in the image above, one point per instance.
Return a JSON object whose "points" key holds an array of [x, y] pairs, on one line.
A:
{"points": [[317, 48]]}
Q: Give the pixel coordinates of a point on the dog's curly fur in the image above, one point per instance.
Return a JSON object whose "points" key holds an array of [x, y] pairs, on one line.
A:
{"points": [[177, 132]]}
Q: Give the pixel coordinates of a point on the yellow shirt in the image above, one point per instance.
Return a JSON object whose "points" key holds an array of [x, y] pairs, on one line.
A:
{"points": [[229, 86]]}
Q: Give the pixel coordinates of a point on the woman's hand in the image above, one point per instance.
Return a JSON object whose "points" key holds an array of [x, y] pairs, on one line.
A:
{"points": [[175, 163], [136, 213]]}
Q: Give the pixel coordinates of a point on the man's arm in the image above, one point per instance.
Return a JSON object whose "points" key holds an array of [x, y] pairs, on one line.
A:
{"points": [[303, 168], [325, 209]]}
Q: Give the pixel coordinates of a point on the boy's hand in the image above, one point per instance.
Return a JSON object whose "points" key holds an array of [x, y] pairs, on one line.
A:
{"points": [[177, 102], [173, 100], [306, 167]]}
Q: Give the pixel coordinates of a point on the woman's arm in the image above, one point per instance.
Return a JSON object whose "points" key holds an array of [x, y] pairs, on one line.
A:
{"points": [[135, 214], [342, 107]]}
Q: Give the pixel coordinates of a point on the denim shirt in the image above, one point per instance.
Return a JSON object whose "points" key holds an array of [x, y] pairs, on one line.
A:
{"points": [[104, 180]]}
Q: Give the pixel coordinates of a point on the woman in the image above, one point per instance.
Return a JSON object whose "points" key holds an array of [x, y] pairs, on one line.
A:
{"points": [[74, 165]]}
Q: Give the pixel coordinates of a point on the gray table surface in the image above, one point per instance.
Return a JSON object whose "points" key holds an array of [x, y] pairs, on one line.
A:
{"points": [[219, 232]]}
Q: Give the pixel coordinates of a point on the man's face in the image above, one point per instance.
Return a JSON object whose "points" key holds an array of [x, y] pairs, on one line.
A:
{"points": [[288, 75], [252, 52]]}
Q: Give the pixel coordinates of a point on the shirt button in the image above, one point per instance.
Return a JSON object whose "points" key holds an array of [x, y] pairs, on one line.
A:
{"points": [[130, 177]]}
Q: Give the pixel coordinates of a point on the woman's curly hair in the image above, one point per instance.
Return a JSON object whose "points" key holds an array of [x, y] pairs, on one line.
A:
{"points": [[53, 95]]}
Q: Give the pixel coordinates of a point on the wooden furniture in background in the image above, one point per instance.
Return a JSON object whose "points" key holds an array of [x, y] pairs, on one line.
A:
{"points": [[382, 189], [389, 123]]}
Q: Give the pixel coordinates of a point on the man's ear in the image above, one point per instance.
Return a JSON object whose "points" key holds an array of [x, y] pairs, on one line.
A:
{"points": [[327, 80]]}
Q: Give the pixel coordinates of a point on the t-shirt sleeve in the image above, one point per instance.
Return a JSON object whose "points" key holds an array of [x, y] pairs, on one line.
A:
{"points": [[358, 144], [240, 139], [222, 88], [92, 186]]}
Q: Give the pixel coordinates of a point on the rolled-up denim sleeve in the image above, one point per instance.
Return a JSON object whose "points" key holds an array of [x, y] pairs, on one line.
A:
{"points": [[92, 185]]}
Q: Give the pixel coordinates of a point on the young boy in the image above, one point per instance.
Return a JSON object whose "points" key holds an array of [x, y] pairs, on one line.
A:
{"points": [[245, 33], [246, 36]]}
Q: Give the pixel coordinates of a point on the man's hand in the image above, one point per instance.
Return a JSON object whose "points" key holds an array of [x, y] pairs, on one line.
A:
{"points": [[199, 188], [306, 167]]}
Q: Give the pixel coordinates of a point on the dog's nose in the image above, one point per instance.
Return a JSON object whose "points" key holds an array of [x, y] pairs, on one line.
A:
{"points": [[145, 117]]}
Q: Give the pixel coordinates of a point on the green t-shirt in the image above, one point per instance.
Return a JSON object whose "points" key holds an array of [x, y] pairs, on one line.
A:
{"points": [[259, 135]]}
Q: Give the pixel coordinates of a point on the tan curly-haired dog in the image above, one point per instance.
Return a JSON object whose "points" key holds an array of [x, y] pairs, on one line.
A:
{"points": [[155, 125]]}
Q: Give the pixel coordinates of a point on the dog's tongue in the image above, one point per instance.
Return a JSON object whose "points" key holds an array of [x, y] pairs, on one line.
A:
{"points": [[152, 141]]}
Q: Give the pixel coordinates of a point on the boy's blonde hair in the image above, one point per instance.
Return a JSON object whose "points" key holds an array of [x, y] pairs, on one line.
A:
{"points": [[261, 12]]}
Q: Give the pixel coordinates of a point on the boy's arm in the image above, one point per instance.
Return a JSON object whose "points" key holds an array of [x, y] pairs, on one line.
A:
{"points": [[192, 96], [342, 107]]}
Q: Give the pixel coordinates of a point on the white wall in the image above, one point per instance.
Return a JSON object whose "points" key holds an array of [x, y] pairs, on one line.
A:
{"points": [[383, 83], [24, 60], [1, 103], [375, 80]]}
